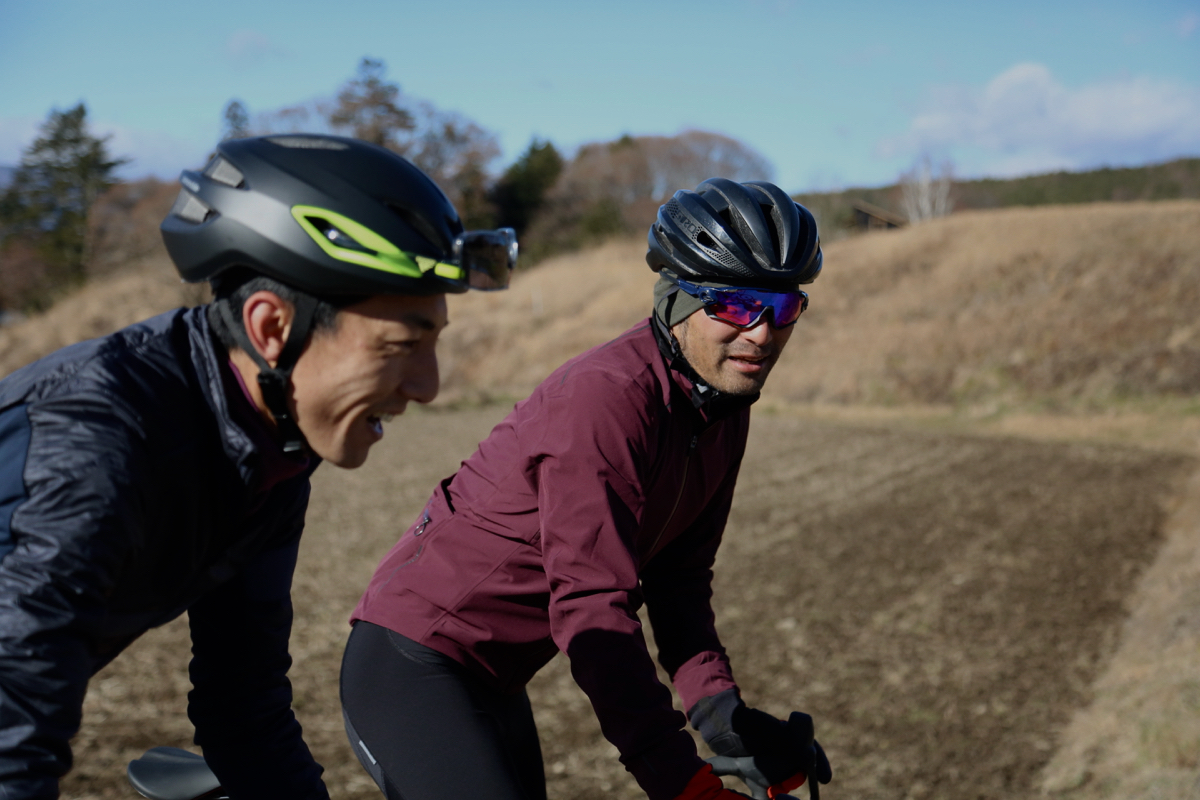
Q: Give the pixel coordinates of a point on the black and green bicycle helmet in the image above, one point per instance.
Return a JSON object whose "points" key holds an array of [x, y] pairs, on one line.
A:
{"points": [[335, 218], [330, 216]]}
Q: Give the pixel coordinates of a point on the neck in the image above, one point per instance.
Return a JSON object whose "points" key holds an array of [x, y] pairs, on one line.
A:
{"points": [[249, 372]]}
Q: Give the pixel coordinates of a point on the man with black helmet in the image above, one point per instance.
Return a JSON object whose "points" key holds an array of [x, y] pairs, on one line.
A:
{"points": [[165, 468], [609, 487]]}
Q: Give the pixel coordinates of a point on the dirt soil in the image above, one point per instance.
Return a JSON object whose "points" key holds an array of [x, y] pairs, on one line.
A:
{"points": [[940, 603]]}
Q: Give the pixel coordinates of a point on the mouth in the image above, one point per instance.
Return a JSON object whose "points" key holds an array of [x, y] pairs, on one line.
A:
{"points": [[749, 363], [375, 421]]}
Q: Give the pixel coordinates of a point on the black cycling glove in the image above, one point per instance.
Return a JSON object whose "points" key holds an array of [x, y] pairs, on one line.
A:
{"points": [[780, 749]]}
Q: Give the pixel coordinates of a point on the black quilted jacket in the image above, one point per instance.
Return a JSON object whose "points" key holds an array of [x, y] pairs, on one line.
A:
{"points": [[136, 483]]}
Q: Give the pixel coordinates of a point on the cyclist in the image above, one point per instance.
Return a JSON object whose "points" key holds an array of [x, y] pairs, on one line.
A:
{"points": [[166, 467], [608, 487]]}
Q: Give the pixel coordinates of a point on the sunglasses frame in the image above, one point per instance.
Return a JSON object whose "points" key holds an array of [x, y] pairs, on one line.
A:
{"points": [[709, 295]]}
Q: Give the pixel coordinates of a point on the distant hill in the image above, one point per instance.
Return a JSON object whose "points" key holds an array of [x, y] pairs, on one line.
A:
{"points": [[1173, 180], [1054, 304]]}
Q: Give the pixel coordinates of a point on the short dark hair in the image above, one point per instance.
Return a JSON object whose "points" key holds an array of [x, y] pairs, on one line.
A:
{"points": [[232, 291]]}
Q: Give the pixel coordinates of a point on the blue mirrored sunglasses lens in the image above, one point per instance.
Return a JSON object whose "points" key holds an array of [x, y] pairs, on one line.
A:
{"points": [[744, 307]]}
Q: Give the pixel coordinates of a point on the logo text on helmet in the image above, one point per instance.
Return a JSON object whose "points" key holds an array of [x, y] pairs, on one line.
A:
{"points": [[683, 221]]}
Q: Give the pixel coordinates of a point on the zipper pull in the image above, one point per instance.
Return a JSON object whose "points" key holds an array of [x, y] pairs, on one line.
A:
{"points": [[692, 446]]}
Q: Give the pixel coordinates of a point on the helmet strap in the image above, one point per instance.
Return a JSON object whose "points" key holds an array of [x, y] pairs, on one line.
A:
{"points": [[704, 395], [274, 382], [668, 345]]}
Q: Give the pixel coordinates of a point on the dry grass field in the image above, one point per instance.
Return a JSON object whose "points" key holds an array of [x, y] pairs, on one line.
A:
{"points": [[967, 535], [1052, 308]]}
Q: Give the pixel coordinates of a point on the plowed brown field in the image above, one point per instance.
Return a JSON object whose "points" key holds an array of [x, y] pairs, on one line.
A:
{"points": [[940, 603]]}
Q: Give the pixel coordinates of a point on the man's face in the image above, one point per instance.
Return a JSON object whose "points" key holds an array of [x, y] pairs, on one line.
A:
{"points": [[733, 360], [349, 380]]}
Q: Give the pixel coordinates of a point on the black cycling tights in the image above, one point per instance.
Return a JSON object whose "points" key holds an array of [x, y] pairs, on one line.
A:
{"points": [[427, 730]]}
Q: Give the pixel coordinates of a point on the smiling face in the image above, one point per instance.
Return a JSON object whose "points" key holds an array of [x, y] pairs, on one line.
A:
{"points": [[732, 360], [350, 380]]}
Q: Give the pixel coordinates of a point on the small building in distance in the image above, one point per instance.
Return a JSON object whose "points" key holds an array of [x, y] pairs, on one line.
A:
{"points": [[870, 217]]}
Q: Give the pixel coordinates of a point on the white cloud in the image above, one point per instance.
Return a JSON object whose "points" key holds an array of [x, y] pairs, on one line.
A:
{"points": [[247, 48], [1024, 120]]}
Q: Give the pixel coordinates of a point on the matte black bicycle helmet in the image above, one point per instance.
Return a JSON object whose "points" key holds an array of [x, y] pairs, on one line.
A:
{"points": [[740, 233], [327, 215]]}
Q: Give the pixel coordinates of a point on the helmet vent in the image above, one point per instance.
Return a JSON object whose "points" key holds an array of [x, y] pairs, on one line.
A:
{"points": [[336, 235], [706, 241], [222, 171], [307, 143], [422, 227], [189, 208]]}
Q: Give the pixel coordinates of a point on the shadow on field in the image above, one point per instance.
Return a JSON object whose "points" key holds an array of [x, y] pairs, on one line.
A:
{"points": [[940, 604]]}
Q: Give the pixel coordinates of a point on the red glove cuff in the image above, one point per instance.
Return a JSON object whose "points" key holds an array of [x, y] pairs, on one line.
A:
{"points": [[785, 787], [703, 786]]}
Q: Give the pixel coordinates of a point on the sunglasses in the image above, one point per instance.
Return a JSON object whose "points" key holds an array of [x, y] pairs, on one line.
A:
{"points": [[743, 307]]}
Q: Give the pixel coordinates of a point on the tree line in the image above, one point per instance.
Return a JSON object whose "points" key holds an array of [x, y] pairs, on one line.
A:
{"points": [[65, 213]]}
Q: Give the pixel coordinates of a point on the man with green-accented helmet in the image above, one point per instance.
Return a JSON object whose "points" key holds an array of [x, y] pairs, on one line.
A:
{"points": [[165, 468]]}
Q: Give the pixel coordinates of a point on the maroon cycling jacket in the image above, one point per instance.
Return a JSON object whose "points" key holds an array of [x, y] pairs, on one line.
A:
{"points": [[606, 488]]}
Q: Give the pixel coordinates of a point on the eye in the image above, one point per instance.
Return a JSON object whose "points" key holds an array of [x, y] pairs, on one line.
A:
{"points": [[402, 345]]}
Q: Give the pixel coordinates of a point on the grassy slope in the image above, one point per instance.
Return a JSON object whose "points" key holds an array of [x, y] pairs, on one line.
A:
{"points": [[1063, 306]]}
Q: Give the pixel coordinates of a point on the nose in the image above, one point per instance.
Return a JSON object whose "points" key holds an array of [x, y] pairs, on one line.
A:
{"points": [[421, 380], [761, 334]]}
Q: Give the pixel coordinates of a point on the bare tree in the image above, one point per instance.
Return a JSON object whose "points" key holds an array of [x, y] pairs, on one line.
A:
{"points": [[236, 121], [649, 169], [367, 106], [927, 195], [456, 153], [616, 187], [683, 161], [451, 149]]}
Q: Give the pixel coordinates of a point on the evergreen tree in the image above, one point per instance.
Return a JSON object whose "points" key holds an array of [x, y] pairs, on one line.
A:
{"points": [[59, 178], [521, 191]]}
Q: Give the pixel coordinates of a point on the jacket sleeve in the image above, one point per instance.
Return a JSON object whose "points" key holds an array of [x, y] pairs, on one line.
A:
{"points": [[67, 515], [590, 496], [241, 700], [678, 588]]}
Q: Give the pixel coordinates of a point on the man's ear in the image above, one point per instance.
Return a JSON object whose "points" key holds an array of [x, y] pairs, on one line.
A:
{"points": [[268, 321]]}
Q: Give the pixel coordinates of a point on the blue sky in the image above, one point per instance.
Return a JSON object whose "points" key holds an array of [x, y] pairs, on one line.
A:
{"points": [[834, 94]]}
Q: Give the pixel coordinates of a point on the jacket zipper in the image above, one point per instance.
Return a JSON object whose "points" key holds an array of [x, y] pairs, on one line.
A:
{"points": [[682, 486]]}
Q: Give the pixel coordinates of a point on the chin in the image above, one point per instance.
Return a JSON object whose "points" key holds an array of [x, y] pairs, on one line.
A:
{"points": [[743, 390], [347, 456], [740, 385], [352, 458]]}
